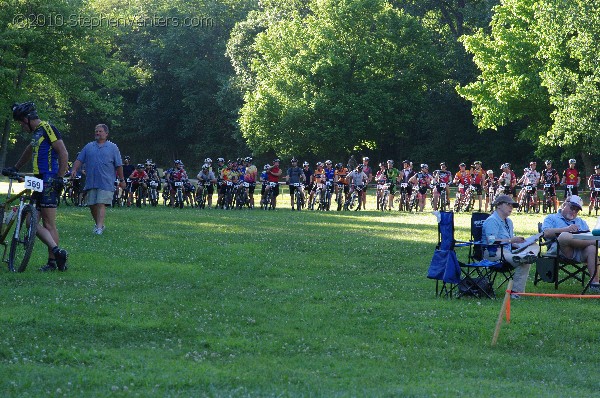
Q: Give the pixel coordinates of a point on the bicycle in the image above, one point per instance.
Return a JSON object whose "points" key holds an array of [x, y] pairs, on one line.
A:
{"points": [[298, 196], [383, 193], [527, 201], [404, 199], [153, 193], [25, 218], [413, 201], [201, 194], [354, 198], [595, 201], [548, 203], [317, 198], [178, 194], [269, 196], [339, 196]]}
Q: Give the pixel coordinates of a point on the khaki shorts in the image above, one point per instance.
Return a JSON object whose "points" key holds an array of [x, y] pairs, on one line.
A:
{"points": [[98, 196]]}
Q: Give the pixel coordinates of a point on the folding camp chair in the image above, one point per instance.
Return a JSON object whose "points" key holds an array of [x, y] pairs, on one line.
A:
{"points": [[479, 275], [550, 264], [444, 265]]}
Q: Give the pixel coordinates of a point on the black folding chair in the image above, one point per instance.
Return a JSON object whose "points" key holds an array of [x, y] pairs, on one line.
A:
{"points": [[550, 264]]}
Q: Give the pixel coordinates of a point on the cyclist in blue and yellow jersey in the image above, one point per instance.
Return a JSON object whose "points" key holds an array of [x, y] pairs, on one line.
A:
{"points": [[50, 163]]}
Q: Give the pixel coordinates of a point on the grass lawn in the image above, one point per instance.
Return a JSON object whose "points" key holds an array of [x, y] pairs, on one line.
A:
{"points": [[254, 303]]}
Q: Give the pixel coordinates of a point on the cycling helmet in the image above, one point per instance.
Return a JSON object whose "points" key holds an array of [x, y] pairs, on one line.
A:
{"points": [[208, 160], [294, 160], [359, 167], [477, 162], [381, 164], [572, 161], [596, 167], [266, 167], [247, 159], [328, 162], [532, 162], [205, 166], [139, 166], [319, 164], [462, 165], [548, 162], [505, 166], [391, 161], [424, 166], [490, 172], [305, 163], [526, 170], [221, 160], [442, 164], [339, 166], [276, 160], [366, 158], [230, 161], [24, 110], [408, 162], [127, 157], [148, 162]]}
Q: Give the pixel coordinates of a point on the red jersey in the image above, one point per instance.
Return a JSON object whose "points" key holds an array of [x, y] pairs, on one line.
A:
{"points": [[140, 175], [571, 176], [271, 177], [179, 175]]}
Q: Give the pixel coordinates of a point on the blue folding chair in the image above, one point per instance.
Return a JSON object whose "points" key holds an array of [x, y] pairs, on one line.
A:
{"points": [[444, 266]]}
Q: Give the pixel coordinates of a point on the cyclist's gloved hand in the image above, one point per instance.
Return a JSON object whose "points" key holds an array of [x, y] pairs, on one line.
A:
{"points": [[8, 171], [58, 184]]}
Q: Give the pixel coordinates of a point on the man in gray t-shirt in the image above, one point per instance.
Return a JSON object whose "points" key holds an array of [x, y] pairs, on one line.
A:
{"points": [[103, 163], [294, 176]]}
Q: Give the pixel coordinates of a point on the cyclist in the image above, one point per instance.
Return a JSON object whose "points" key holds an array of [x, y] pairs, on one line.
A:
{"points": [[441, 180], [50, 163], [342, 183], [594, 185], [357, 178], [318, 178], [463, 179], [330, 176], [206, 178], [571, 179], [478, 175], [139, 176], [128, 168], [380, 180], [176, 174], [369, 172], [550, 177], [273, 176], [508, 180], [421, 181], [264, 179], [530, 178], [491, 187], [250, 176], [295, 175], [393, 176], [218, 171], [228, 174], [307, 175]]}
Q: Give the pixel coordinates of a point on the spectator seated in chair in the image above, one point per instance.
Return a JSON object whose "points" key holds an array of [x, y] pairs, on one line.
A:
{"points": [[562, 225], [500, 228]]}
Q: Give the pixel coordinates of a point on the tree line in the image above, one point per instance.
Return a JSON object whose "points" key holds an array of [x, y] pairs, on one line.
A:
{"points": [[426, 80]]}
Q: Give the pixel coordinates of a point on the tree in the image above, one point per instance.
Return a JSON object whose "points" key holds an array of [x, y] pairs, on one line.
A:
{"points": [[538, 65], [347, 75]]}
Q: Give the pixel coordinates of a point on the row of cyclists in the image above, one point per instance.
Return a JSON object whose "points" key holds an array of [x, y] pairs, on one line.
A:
{"points": [[346, 186]]}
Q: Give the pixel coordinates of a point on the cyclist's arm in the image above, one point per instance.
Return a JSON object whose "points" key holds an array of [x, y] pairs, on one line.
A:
{"points": [[63, 156], [590, 182]]}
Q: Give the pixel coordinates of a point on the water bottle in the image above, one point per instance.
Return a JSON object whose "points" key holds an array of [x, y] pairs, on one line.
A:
{"points": [[492, 249], [596, 230]]}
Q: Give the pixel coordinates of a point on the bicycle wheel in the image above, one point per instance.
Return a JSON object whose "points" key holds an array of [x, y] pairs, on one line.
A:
{"points": [[21, 245]]}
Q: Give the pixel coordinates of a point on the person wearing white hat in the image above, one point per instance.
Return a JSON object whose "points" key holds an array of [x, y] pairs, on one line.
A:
{"points": [[562, 225]]}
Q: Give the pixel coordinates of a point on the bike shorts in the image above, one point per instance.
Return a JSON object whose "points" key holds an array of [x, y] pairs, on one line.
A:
{"points": [[49, 197], [510, 191], [423, 190], [210, 189], [292, 190], [550, 192], [251, 188], [573, 191], [478, 189]]}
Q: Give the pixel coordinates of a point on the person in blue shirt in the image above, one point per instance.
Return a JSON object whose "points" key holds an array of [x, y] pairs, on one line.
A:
{"points": [[499, 228], [562, 225]]}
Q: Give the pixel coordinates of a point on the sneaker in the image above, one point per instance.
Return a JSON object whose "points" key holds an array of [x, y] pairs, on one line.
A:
{"points": [[61, 256], [594, 288], [527, 258], [98, 231], [48, 268], [514, 296]]}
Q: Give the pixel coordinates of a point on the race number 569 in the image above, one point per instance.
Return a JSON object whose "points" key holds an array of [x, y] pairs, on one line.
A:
{"points": [[35, 184]]}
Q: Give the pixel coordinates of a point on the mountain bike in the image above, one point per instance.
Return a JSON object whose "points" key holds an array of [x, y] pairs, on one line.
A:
{"points": [[202, 193], [413, 201], [269, 196], [383, 195], [339, 196], [404, 198], [19, 210], [178, 194], [595, 201], [317, 198], [241, 198], [153, 193], [298, 195], [354, 198], [548, 204], [527, 201]]}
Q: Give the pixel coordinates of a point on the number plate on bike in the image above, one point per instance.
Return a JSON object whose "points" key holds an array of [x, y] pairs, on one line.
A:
{"points": [[246, 184], [296, 184], [442, 185], [35, 184], [569, 186], [403, 185], [547, 185], [178, 183], [529, 188], [273, 184]]}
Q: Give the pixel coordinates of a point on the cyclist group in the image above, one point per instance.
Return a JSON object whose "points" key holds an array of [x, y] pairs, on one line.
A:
{"points": [[346, 187]]}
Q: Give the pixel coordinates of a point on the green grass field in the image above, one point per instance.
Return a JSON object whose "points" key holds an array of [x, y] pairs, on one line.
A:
{"points": [[255, 303]]}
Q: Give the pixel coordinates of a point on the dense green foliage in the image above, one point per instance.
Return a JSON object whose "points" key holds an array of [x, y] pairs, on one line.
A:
{"points": [[251, 303], [539, 65], [380, 77]]}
